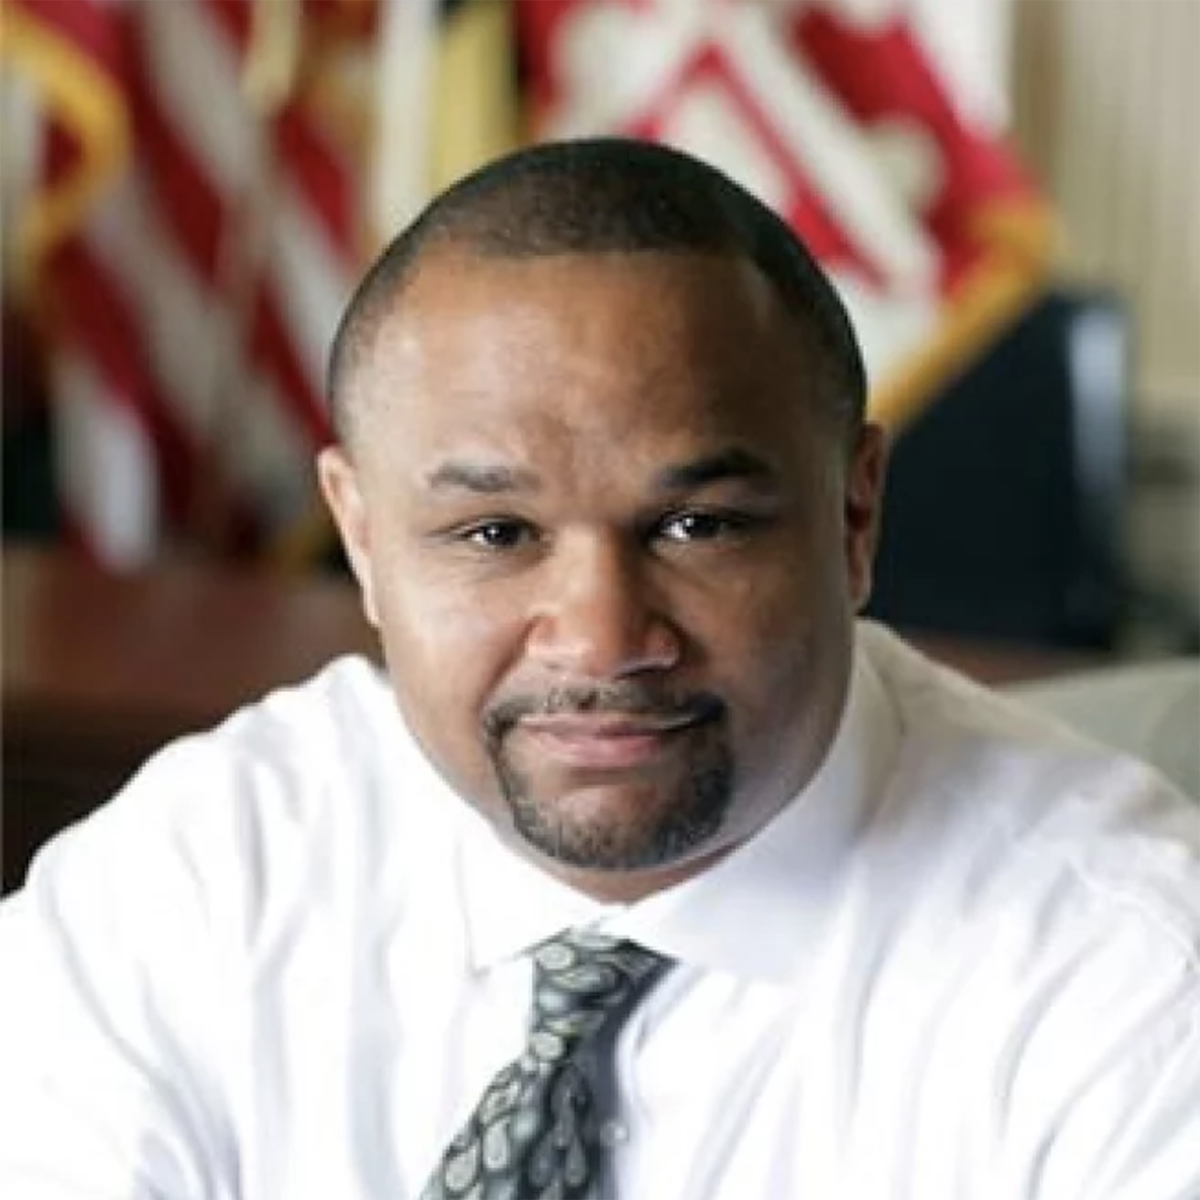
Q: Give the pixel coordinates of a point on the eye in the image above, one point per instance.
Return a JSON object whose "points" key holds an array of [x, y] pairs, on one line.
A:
{"points": [[501, 533], [702, 525]]}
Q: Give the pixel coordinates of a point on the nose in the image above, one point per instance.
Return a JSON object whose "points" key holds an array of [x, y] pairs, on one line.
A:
{"points": [[596, 615]]}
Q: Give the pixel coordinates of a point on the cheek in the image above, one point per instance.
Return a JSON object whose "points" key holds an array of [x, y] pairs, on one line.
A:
{"points": [[783, 645], [444, 654], [444, 645], [763, 608]]}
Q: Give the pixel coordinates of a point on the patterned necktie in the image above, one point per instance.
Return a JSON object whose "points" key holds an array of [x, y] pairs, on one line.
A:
{"points": [[528, 1137]]}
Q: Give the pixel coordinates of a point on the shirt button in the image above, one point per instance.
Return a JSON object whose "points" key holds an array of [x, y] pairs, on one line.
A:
{"points": [[613, 1133]]}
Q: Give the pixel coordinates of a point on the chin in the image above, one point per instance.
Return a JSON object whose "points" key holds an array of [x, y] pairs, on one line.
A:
{"points": [[611, 828]]}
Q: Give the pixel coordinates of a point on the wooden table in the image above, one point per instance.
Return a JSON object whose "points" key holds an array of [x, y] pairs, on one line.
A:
{"points": [[100, 670]]}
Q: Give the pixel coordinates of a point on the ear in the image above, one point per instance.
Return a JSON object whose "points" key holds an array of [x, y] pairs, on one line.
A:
{"points": [[340, 487], [864, 502]]}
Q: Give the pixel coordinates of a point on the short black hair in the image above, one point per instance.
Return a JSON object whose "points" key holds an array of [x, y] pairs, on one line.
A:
{"points": [[592, 195]]}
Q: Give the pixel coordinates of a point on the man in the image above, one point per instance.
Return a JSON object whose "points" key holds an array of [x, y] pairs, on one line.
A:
{"points": [[841, 924]]}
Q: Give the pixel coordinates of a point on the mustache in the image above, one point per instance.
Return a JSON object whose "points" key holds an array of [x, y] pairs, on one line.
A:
{"points": [[625, 698]]}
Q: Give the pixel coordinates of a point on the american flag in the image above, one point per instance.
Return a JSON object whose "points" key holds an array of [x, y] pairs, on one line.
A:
{"points": [[190, 237]]}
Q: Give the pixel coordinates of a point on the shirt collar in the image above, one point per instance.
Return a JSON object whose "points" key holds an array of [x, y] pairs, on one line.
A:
{"points": [[509, 905], [779, 884]]}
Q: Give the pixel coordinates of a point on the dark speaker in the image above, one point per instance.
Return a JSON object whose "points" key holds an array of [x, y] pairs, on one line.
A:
{"points": [[1005, 495]]}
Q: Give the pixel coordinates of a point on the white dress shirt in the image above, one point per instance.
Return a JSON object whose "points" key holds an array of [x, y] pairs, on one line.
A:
{"points": [[964, 964]]}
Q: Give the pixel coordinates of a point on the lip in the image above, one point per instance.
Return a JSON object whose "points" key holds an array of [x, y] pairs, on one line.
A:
{"points": [[605, 741]]}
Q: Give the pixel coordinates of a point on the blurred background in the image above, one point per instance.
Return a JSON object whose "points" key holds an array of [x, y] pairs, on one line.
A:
{"points": [[1007, 193]]}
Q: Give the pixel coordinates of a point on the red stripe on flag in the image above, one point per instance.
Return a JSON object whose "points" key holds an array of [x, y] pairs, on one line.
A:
{"points": [[323, 178], [537, 36], [887, 74], [805, 211], [97, 318], [193, 210], [275, 351]]}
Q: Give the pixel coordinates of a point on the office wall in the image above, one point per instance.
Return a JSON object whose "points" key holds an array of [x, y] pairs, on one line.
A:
{"points": [[1106, 107]]}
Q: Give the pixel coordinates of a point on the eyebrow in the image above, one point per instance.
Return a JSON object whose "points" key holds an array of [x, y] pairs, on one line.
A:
{"points": [[491, 479], [487, 479], [732, 464]]}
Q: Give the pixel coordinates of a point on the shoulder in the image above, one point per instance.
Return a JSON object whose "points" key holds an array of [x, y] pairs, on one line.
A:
{"points": [[1044, 888], [283, 754], [137, 953], [1008, 746], [283, 806], [1030, 818]]}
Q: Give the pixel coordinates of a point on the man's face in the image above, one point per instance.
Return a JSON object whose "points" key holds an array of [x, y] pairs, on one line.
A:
{"points": [[612, 548]]}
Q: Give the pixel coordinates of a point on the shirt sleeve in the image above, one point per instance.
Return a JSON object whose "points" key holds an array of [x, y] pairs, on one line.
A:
{"points": [[110, 1047], [1133, 1132]]}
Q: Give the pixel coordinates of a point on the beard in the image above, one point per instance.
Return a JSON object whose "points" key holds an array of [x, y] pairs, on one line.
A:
{"points": [[668, 816]]}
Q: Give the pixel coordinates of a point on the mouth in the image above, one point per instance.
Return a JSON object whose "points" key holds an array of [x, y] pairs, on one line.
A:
{"points": [[606, 741]]}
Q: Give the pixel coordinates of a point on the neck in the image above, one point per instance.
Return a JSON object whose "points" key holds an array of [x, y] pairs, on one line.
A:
{"points": [[623, 886]]}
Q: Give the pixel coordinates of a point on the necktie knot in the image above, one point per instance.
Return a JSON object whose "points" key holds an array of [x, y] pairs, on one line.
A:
{"points": [[582, 980], [528, 1136]]}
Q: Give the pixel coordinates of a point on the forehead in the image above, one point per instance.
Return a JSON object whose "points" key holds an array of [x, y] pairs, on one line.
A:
{"points": [[598, 344]]}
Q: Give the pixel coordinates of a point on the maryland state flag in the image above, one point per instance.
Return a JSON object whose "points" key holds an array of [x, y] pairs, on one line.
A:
{"points": [[834, 113]]}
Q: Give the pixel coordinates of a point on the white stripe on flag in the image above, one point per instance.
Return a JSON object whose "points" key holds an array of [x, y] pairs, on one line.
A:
{"points": [[312, 282], [615, 62], [197, 83], [836, 157], [186, 334], [706, 122], [105, 466], [892, 326]]}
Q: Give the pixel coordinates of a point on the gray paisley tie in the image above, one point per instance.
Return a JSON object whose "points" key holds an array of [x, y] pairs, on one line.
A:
{"points": [[529, 1137]]}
